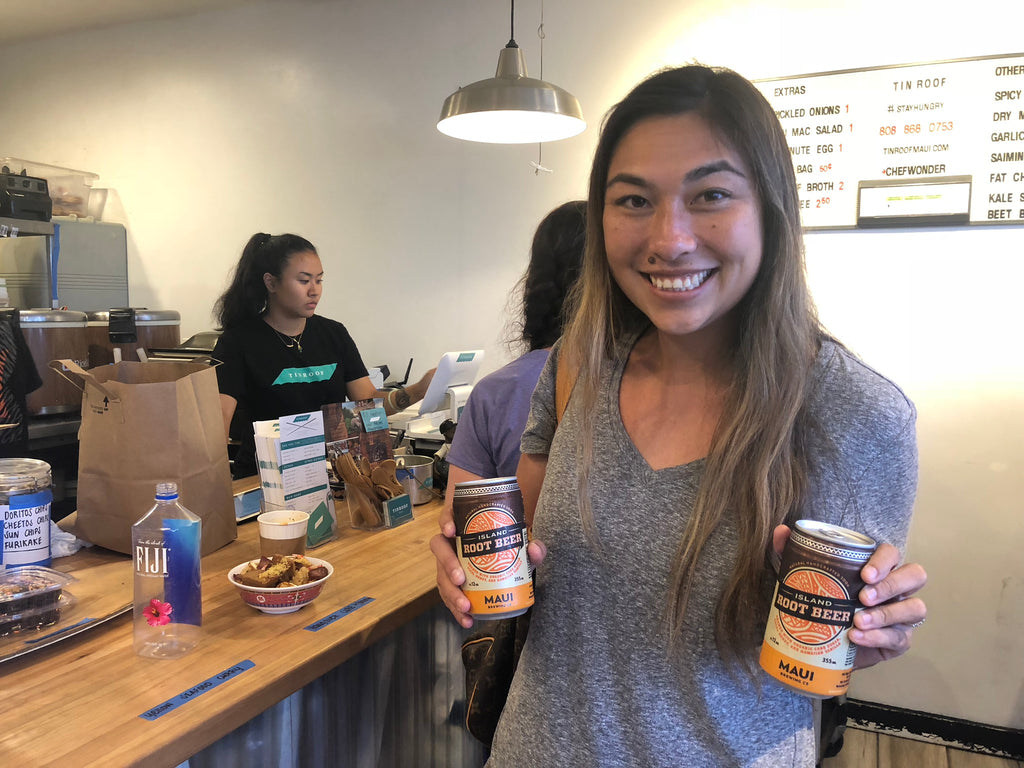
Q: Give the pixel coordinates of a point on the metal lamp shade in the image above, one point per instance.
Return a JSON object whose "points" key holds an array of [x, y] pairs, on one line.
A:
{"points": [[511, 108]]}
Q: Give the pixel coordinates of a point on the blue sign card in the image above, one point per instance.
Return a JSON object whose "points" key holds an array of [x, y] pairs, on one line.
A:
{"points": [[398, 510], [374, 419], [248, 504]]}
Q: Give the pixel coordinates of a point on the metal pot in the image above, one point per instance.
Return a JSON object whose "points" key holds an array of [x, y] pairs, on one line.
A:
{"points": [[416, 474], [53, 334], [128, 330]]}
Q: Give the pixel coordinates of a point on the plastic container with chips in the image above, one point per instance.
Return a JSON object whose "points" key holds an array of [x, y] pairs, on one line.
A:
{"points": [[31, 597]]}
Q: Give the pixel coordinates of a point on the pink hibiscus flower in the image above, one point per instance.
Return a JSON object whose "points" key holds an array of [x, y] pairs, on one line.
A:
{"points": [[157, 613]]}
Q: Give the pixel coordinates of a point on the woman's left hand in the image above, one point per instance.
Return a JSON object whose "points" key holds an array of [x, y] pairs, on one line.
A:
{"points": [[883, 629]]}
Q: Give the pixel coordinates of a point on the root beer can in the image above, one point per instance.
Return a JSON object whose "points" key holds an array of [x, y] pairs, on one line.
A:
{"points": [[805, 641], [490, 540]]}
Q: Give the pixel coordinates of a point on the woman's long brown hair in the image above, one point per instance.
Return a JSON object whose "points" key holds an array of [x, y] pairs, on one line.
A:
{"points": [[756, 468]]}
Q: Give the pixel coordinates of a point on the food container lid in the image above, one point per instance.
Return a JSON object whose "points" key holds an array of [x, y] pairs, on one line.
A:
{"points": [[45, 317], [45, 170], [142, 316], [157, 317], [23, 475], [22, 581]]}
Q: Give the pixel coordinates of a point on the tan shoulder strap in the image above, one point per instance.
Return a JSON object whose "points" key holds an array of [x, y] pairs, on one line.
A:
{"points": [[565, 380]]}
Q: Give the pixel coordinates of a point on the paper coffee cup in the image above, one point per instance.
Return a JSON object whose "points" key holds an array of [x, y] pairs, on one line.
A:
{"points": [[283, 532]]}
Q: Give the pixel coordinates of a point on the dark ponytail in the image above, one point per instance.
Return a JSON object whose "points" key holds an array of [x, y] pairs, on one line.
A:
{"points": [[246, 298], [555, 259]]}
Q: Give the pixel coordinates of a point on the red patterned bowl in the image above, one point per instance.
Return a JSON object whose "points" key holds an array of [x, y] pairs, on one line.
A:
{"points": [[280, 599]]}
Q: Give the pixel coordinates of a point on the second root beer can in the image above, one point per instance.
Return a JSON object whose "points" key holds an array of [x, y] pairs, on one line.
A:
{"points": [[805, 642], [490, 540]]}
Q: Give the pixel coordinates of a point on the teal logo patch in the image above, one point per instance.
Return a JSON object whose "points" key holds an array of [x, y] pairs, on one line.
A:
{"points": [[306, 375]]}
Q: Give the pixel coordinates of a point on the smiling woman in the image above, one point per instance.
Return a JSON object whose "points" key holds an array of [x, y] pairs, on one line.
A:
{"points": [[278, 357], [710, 412]]}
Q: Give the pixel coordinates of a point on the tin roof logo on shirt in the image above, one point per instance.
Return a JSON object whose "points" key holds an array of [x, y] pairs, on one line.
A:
{"points": [[305, 375]]}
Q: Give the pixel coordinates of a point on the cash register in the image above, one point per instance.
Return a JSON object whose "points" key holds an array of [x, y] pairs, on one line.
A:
{"points": [[445, 397]]}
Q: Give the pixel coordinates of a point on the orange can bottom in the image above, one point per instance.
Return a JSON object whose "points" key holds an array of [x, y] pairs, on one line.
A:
{"points": [[817, 682], [501, 603]]}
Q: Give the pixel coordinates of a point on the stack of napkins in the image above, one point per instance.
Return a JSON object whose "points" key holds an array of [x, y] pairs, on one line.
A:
{"points": [[292, 460], [268, 449]]}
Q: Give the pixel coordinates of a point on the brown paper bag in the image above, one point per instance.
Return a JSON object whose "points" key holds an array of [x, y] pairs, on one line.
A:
{"points": [[142, 424]]}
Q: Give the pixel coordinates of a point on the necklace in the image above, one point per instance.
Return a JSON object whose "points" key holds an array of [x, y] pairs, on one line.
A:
{"points": [[290, 342]]}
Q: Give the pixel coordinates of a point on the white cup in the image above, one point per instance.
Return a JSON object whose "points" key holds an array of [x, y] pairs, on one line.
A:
{"points": [[283, 532]]}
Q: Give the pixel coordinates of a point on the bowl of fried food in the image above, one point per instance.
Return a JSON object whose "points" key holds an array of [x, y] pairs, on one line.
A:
{"points": [[280, 583]]}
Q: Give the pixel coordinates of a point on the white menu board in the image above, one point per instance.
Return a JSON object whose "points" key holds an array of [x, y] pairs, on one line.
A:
{"points": [[909, 145]]}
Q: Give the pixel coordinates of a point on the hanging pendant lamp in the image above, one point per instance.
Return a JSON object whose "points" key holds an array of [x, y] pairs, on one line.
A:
{"points": [[511, 108]]}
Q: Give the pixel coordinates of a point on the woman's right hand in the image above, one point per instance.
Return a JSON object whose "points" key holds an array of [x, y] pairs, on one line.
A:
{"points": [[451, 577], [418, 390]]}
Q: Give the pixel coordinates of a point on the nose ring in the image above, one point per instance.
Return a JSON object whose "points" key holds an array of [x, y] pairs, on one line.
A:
{"points": [[651, 260]]}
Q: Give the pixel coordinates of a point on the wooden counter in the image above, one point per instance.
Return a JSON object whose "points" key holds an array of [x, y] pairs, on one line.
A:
{"points": [[80, 702]]}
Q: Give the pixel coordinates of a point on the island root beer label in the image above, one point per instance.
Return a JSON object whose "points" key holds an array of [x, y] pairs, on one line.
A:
{"points": [[805, 643], [490, 540]]}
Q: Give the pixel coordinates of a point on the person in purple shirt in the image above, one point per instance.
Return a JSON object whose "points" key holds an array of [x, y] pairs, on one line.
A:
{"points": [[486, 442]]}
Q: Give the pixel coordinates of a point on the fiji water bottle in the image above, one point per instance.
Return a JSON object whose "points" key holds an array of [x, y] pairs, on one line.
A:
{"points": [[168, 608]]}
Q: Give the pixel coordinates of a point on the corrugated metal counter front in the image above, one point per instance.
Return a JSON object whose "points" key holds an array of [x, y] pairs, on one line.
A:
{"points": [[365, 676]]}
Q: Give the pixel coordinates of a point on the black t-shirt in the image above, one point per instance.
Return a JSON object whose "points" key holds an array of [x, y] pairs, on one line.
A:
{"points": [[270, 379]]}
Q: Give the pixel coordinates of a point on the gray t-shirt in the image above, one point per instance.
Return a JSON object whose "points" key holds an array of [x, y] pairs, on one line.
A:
{"points": [[595, 686]]}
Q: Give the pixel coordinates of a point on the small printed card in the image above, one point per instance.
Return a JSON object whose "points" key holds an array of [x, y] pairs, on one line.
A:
{"points": [[374, 419], [293, 471], [397, 510]]}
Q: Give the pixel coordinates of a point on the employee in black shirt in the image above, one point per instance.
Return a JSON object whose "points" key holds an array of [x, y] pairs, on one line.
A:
{"points": [[277, 356]]}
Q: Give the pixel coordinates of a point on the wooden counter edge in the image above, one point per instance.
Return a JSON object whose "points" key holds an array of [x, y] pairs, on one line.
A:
{"points": [[238, 714], [176, 742]]}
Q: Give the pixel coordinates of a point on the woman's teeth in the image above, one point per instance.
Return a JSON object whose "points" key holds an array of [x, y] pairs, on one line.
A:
{"points": [[687, 283]]}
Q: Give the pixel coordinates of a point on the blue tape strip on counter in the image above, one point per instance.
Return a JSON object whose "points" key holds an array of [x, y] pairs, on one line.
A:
{"points": [[61, 631], [197, 690], [341, 613]]}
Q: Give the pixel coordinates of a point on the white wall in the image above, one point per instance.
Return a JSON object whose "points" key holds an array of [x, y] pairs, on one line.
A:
{"points": [[318, 117]]}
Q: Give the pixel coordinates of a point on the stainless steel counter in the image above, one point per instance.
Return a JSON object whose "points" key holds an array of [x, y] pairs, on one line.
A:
{"points": [[58, 429]]}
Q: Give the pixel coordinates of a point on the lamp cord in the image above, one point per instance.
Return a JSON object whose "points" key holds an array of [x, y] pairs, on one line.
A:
{"points": [[512, 26], [540, 33]]}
